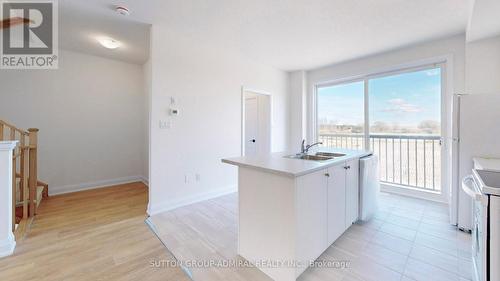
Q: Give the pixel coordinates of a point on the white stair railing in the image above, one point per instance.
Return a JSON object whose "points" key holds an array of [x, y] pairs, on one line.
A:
{"points": [[27, 189], [7, 198]]}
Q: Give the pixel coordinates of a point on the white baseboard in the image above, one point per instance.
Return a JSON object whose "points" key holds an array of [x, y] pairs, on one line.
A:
{"points": [[7, 246], [168, 206], [92, 185], [145, 181], [413, 192]]}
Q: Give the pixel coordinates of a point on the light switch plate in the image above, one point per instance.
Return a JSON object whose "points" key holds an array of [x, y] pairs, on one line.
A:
{"points": [[165, 124]]}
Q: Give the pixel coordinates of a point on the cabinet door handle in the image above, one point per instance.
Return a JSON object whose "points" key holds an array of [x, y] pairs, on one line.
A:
{"points": [[327, 174], [348, 167], [345, 167]]}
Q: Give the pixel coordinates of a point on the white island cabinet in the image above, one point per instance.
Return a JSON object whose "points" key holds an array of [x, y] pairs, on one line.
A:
{"points": [[292, 210], [352, 191]]}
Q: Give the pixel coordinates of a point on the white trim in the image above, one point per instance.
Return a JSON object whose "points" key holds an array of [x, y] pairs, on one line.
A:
{"points": [[447, 122], [406, 68], [145, 181], [445, 63], [93, 185], [7, 145], [271, 116], [413, 192], [7, 246], [7, 239], [168, 206], [366, 129], [446, 59], [387, 71]]}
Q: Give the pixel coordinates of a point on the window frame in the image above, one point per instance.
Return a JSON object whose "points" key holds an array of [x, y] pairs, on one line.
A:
{"points": [[366, 79]]}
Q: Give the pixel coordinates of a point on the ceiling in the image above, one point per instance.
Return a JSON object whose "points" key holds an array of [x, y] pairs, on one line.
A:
{"points": [[79, 28], [289, 35], [484, 21]]}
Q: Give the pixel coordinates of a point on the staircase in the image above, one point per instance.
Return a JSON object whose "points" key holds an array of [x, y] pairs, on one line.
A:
{"points": [[28, 191], [41, 193]]}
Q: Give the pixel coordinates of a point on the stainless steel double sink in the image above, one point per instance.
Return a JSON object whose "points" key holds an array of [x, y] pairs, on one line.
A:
{"points": [[319, 156]]}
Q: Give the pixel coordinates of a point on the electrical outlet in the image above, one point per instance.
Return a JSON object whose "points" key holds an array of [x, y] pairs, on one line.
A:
{"points": [[186, 179], [198, 177]]}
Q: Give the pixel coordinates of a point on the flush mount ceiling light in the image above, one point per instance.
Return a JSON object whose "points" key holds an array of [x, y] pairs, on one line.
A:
{"points": [[109, 43], [122, 10]]}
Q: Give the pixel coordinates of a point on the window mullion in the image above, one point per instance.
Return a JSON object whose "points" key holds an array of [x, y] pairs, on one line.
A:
{"points": [[367, 115]]}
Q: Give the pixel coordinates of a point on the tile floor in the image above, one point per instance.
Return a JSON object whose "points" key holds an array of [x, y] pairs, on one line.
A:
{"points": [[408, 239]]}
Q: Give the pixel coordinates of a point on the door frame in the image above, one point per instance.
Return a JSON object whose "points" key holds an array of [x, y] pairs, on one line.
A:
{"points": [[447, 67], [244, 90]]}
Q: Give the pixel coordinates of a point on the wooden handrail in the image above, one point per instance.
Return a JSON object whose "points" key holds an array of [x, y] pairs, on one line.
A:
{"points": [[12, 127], [25, 170]]}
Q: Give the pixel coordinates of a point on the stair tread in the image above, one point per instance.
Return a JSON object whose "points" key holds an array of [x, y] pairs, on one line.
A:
{"points": [[39, 196]]}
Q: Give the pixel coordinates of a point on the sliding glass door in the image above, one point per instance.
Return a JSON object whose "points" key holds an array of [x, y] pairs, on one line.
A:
{"points": [[396, 115], [341, 115]]}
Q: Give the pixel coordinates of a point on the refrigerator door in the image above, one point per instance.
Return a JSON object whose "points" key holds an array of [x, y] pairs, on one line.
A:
{"points": [[455, 155], [479, 136]]}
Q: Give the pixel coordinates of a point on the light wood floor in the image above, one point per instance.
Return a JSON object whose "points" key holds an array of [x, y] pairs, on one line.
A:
{"points": [[91, 235], [205, 233]]}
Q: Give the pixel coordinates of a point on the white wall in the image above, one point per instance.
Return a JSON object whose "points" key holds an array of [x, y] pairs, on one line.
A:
{"points": [[298, 109], [483, 89], [206, 85], [90, 113], [483, 66], [453, 48], [146, 68]]}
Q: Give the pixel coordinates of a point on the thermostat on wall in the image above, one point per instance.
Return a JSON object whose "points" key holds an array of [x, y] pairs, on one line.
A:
{"points": [[174, 111]]}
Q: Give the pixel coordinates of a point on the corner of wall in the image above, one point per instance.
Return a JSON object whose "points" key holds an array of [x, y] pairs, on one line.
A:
{"points": [[298, 108]]}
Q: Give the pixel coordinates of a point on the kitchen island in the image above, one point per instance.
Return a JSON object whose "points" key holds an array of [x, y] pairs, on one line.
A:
{"points": [[291, 210]]}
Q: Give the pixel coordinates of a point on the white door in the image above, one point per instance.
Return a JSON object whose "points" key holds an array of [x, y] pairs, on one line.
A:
{"points": [[336, 202], [251, 125], [312, 212], [352, 191]]}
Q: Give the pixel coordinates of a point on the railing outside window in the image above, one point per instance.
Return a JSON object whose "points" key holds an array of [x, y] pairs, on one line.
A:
{"points": [[406, 160]]}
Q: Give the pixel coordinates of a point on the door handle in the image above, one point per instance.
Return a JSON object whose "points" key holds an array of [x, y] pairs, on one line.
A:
{"points": [[327, 174], [347, 167], [252, 140], [469, 187]]}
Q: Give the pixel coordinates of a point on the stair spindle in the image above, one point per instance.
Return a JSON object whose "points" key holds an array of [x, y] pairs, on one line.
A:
{"points": [[14, 180], [24, 168], [33, 139]]}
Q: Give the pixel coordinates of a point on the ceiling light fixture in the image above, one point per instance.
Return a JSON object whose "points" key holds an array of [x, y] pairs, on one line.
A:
{"points": [[109, 43], [122, 10]]}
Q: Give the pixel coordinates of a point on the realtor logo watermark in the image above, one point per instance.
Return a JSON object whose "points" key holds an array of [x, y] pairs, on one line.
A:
{"points": [[34, 44]]}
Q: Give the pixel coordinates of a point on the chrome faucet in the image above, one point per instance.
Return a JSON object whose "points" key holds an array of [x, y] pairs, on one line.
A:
{"points": [[305, 148]]}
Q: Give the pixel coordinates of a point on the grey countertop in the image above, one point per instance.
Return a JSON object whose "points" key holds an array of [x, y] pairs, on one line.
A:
{"points": [[276, 163]]}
